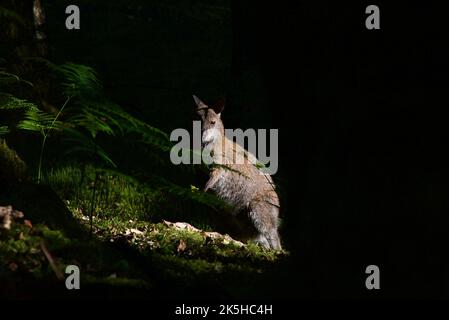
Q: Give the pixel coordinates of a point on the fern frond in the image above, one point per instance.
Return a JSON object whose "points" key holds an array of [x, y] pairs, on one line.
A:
{"points": [[8, 78], [122, 120], [39, 121], [91, 122], [78, 80], [4, 130], [85, 145], [9, 102]]}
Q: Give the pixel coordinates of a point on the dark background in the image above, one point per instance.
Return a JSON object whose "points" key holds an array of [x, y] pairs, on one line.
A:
{"points": [[363, 121]]}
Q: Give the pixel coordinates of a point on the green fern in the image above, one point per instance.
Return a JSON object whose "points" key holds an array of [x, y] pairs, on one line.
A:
{"points": [[91, 110], [42, 122], [85, 145], [4, 130], [39, 121], [77, 80], [91, 122], [7, 78], [9, 102]]}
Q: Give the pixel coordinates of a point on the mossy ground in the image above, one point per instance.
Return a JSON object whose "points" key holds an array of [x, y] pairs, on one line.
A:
{"points": [[125, 250]]}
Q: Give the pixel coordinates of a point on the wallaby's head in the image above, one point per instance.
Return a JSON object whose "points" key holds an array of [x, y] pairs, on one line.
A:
{"points": [[211, 124]]}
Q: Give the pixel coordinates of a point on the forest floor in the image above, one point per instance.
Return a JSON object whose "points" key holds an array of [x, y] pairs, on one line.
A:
{"points": [[119, 256]]}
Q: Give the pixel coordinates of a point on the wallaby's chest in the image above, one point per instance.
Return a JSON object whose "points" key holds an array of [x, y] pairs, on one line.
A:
{"points": [[233, 187]]}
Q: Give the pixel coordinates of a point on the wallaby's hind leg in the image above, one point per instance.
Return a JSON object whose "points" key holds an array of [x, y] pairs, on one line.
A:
{"points": [[275, 242], [274, 239], [265, 220], [263, 241], [269, 240]]}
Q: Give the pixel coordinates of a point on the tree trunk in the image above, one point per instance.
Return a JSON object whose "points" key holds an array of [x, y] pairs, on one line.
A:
{"points": [[39, 24], [23, 32]]}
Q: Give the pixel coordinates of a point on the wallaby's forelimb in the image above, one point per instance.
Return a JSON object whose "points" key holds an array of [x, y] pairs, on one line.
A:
{"points": [[213, 179]]}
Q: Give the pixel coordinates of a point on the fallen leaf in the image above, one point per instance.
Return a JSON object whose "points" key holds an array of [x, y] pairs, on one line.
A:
{"points": [[185, 226], [167, 223], [181, 226], [133, 231]]}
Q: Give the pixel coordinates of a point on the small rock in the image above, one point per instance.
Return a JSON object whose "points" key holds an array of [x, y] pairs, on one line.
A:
{"points": [[132, 231]]}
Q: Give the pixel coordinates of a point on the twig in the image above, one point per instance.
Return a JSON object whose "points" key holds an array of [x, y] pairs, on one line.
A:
{"points": [[47, 254]]}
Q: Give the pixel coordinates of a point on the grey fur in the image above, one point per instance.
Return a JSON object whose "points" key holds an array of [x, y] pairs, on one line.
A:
{"points": [[243, 186]]}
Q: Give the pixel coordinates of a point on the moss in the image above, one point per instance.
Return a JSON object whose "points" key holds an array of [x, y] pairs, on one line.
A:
{"points": [[184, 255], [20, 250], [22, 257], [125, 251], [12, 167], [114, 281], [117, 195]]}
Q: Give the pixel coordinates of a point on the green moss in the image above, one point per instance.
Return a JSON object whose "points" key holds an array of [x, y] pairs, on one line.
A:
{"points": [[116, 195], [22, 256], [114, 281], [20, 250], [126, 249], [184, 254]]}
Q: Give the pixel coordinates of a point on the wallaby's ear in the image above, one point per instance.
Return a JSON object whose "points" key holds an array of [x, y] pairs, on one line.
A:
{"points": [[199, 104], [219, 106]]}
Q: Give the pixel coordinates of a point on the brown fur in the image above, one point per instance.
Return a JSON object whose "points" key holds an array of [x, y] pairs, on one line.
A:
{"points": [[248, 190]]}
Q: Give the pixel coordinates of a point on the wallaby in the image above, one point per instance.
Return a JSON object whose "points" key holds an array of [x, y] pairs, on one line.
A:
{"points": [[242, 185]]}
